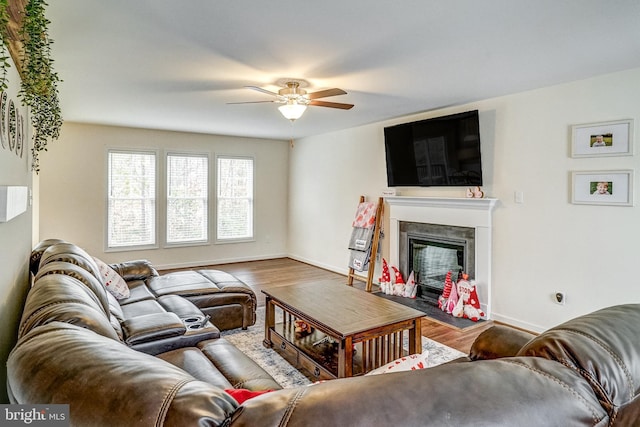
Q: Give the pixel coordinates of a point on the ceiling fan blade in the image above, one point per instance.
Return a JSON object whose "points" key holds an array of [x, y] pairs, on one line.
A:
{"points": [[259, 89], [250, 102], [331, 105], [326, 93]]}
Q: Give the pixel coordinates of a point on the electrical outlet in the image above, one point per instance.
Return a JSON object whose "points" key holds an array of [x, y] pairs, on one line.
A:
{"points": [[560, 297]]}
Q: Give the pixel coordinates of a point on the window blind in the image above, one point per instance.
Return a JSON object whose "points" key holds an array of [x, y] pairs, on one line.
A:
{"points": [[234, 198]]}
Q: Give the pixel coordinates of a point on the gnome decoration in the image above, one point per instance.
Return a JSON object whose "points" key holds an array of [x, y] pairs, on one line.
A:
{"points": [[470, 306], [410, 288], [398, 286], [446, 291], [449, 298], [453, 300], [385, 279]]}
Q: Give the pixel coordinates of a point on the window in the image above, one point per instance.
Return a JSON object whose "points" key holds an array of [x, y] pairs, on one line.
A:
{"points": [[235, 198], [187, 198], [131, 216]]}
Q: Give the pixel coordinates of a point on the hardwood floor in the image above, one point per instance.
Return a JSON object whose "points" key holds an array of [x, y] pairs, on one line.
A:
{"points": [[267, 274]]}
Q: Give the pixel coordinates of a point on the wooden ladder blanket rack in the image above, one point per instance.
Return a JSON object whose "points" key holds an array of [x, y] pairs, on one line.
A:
{"points": [[374, 249]]}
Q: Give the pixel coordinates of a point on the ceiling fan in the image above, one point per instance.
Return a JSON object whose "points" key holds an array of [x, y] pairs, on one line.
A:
{"points": [[295, 100]]}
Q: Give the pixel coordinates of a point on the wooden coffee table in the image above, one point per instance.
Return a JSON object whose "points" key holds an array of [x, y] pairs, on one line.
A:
{"points": [[354, 331]]}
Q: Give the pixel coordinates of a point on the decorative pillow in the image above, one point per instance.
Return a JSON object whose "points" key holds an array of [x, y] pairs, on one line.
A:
{"points": [[112, 281], [242, 394], [407, 363]]}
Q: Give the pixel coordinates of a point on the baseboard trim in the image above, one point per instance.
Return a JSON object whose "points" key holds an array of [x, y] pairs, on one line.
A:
{"points": [[342, 271], [510, 321], [218, 261]]}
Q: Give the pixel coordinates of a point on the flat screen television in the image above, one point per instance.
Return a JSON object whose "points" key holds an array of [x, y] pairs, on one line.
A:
{"points": [[443, 151]]}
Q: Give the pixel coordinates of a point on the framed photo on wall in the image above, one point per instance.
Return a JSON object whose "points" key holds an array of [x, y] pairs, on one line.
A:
{"points": [[614, 188], [602, 139]]}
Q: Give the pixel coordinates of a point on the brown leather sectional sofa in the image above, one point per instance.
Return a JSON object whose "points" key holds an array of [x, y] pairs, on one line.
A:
{"points": [[585, 372]]}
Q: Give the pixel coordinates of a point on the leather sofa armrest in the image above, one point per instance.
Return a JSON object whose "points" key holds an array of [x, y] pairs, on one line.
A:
{"points": [[499, 341], [151, 327], [135, 270]]}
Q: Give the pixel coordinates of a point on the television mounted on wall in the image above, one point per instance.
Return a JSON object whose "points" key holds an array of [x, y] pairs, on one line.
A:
{"points": [[438, 152]]}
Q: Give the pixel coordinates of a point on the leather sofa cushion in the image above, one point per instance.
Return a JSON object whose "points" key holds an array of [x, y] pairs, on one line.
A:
{"points": [[77, 272], [192, 360], [58, 297], [141, 308], [135, 270], [498, 341], [188, 283], [38, 250], [152, 327], [181, 283], [603, 346], [503, 392], [237, 367], [70, 253], [224, 281], [182, 307], [138, 291], [108, 383]]}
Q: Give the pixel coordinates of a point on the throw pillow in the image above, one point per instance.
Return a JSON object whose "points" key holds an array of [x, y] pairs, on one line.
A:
{"points": [[242, 394], [406, 363], [114, 283]]}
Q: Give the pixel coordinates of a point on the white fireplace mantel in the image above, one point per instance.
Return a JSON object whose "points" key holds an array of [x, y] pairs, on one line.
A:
{"points": [[461, 212]]}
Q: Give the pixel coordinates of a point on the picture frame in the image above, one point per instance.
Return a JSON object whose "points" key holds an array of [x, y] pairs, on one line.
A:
{"points": [[613, 188], [602, 139]]}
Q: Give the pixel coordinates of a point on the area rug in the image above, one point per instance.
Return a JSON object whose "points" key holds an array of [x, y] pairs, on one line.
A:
{"points": [[249, 341]]}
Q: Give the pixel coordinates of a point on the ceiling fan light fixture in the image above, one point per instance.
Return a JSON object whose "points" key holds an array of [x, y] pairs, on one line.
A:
{"points": [[292, 110]]}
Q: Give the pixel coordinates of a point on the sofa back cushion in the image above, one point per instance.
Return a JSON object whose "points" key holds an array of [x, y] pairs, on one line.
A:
{"points": [[38, 250], [73, 270], [603, 347], [58, 297], [68, 252]]}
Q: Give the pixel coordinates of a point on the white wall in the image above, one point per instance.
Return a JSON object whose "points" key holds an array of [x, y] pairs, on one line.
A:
{"points": [[540, 246], [15, 240], [73, 183]]}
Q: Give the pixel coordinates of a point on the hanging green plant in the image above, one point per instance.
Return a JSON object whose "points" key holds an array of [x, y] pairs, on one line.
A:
{"points": [[39, 89], [4, 51]]}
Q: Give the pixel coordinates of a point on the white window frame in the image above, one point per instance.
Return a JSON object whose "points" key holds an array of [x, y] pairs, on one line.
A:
{"points": [[167, 197], [152, 245], [251, 198]]}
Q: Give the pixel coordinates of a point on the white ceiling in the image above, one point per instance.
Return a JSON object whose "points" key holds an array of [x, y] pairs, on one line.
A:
{"points": [[167, 64]]}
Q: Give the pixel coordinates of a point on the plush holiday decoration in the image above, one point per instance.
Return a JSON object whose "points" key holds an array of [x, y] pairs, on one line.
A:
{"points": [[446, 291], [449, 297], [410, 288], [385, 279], [453, 300], [301, 328], [458, 308], [398, 286], [470, 307]]}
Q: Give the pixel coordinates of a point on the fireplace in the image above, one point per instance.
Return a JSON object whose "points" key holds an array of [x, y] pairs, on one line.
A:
{"points": [[457, 230], [432, 250]]}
